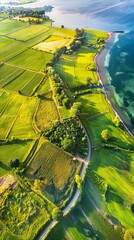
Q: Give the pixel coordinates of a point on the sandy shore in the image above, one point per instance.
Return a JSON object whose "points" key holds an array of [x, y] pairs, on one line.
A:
{"points": [[107, 88]]}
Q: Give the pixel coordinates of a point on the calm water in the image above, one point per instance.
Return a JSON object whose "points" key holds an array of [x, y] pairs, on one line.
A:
{"points": [[109, 16]]}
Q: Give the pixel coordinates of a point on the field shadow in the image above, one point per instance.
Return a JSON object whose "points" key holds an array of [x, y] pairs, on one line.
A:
{"points": [[4, 166]]}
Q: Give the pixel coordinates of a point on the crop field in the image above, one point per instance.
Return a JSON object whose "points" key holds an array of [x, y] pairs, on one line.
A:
{"points": [[54, 166], [23, 214], [32, 84], [16, 117], [29, 32], [9, 26], [46, 115], [26, 19], [23, 126], [17, 79], [44, 88], [4, 41], [31, 59], [8, 75], [52, 43], [9, 115]]}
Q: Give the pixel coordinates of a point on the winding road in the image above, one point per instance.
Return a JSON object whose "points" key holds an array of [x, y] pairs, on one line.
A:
{"points": [[76, 195]]}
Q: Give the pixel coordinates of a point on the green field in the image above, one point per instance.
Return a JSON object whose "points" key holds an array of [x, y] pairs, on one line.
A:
{"points": [[11, 150], [46, 108], [16, 116], [28, 33], [9, 26]]}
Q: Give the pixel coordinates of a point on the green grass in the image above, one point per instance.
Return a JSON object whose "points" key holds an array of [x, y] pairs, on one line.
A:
{"points": [[120, 211], [13, 151], [103, 228], [72, 227]]}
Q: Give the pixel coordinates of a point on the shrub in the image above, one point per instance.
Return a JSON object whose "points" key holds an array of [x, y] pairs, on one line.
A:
{"points": [[105, 134]]}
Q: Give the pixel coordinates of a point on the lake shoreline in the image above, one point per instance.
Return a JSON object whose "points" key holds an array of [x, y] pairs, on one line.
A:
{"points": [[107, 88]]}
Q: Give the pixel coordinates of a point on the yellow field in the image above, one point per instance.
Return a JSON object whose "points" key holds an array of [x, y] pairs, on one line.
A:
{"points": [[6, 182], [52, 43], [26, 19]]}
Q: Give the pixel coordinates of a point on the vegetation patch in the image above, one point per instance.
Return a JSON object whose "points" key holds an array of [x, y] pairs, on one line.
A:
{"points": [[23, 212], [69, 135]]}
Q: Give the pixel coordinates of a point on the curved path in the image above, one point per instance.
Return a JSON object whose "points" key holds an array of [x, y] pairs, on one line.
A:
{"points": [[76, 195]]}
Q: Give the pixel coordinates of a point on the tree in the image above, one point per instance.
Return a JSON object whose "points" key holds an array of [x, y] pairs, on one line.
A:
{"points": [[78, 181], [66, 102], [62, 26], [105, 134], [88, 80], [116, 121], [76, 108], [92, 66], [68, 144], [129, 234], [14, 163]]}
